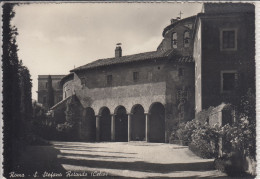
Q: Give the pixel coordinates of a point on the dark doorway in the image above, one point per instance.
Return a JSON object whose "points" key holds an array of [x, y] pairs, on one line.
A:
{"points": [[89, 125], [121, 125], [157, 123], [138, 123], [105, 124]]}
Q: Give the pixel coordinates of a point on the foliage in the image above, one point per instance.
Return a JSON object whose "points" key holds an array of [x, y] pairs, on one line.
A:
{"points": [[185, 130], [25, 85], [50, 94], [205, 141], [68, 129], [11, 92], [43, 124], [241, 136]]}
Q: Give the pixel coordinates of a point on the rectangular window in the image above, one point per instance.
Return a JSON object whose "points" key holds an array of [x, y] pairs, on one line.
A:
{"points": [[136, 76], [83, 81], [109, 79], [228, 81], [228, 39], [174, 40]]}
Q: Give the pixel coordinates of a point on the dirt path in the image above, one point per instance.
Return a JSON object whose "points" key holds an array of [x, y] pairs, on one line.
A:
{"points": [[134, 159]]}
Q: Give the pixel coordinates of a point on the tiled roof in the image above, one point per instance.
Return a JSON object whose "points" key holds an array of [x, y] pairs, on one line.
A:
{"points": [[185, 59], [69, 76], [60, 103], [160, 54]]}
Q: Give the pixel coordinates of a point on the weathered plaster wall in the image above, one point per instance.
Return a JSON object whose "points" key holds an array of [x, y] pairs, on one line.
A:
{"points": [[127, 96], [221, 115], [179, 94]]}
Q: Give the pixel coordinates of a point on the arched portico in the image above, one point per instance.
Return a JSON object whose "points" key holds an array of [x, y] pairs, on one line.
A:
{"points": [[88, 125], [104, 124], [157, 122], [137, 123], [121, 124]]}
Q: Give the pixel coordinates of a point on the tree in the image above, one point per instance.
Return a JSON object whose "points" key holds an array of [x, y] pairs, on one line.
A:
{"points": [[26, 99], [11, 93], [50, 95]]}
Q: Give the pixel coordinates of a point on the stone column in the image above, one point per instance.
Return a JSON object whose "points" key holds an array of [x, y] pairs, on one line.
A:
{"points": [[129, 126], [97, 128], [147, 127], [81, 128], [113, 127]]}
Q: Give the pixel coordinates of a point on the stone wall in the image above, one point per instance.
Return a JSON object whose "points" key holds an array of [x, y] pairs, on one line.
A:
{"points": [[221, 115]]}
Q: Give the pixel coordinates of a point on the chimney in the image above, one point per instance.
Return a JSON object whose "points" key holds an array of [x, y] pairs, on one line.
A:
{"points": [[118, 51]]}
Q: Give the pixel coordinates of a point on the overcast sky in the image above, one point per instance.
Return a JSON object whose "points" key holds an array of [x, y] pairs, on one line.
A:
{"points": [[53, 38]]}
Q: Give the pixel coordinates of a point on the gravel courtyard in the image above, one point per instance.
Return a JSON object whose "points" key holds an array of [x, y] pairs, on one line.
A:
{"points": [[134, 160]]}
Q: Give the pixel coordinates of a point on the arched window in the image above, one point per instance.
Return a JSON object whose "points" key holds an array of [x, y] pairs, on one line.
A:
{"points": [[174, 40], [186, 39]]}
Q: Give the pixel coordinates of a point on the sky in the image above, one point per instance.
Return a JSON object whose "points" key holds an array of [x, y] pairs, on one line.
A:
{"points": [[56, 37]]}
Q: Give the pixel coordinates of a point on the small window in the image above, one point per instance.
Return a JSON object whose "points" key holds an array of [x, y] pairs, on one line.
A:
{"points": [[228, 40], [228, 81], [109, 79], [174, 40], [136, 76], [46, 85], [186, 39], [180, 72], [83, 81]]}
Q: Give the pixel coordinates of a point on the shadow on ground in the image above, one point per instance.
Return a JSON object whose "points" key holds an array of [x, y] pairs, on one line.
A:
{"points": [[39, 159]]}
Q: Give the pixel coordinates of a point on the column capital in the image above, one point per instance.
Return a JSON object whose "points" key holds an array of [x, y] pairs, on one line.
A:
{"points": [[112, 114], [129, 113], [147, 113]]}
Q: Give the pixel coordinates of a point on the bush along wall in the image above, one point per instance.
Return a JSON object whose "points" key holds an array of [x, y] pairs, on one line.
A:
{"points": [[232, 143]]}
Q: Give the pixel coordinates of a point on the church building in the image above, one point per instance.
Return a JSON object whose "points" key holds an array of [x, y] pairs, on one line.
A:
{"points": [[202, 61]]}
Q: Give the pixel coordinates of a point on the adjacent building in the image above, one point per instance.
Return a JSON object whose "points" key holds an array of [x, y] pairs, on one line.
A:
{"points": [[49, 90]]}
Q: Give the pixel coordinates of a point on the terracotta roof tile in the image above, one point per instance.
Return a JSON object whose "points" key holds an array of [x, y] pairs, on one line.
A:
{"points": [[160, 54]]}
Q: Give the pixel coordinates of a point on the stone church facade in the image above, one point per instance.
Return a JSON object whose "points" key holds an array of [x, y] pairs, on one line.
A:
{"points": [[202, 61]]}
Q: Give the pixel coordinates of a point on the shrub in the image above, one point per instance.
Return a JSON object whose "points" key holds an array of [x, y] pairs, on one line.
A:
{"points": [[202, 149], [185, 130], [205, 141], [232, 165]]}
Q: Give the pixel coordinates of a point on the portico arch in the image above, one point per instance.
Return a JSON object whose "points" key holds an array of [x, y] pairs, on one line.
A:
{"points": [[121, 124], [157, 122], [105, 124], [137, 123], [88, 125]]}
